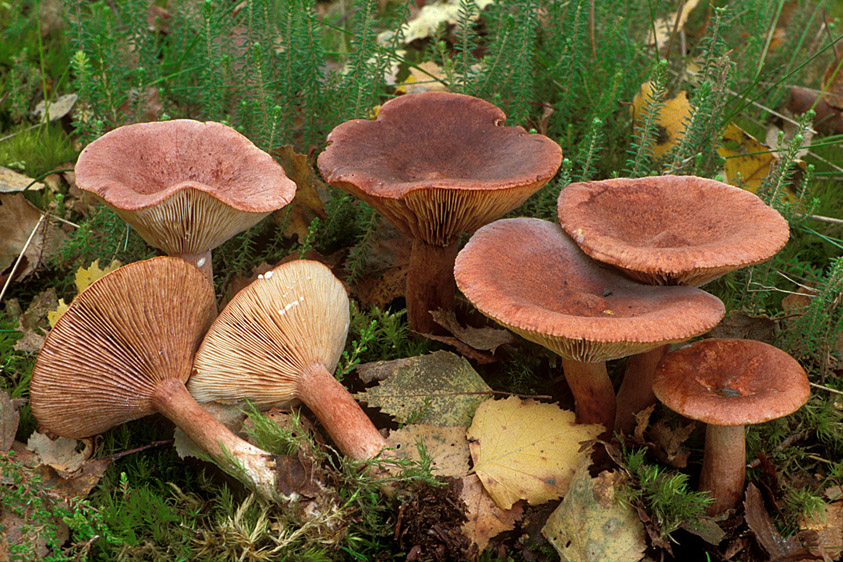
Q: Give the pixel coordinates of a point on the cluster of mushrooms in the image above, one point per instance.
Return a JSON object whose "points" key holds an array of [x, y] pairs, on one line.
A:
{"points": [[618, 276]]}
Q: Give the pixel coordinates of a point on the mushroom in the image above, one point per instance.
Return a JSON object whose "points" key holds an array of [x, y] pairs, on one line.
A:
{"points": [[124, 349], [184, 185], [728, 383], [667, 230], [278, 341], [437, 164], [528, 275]]}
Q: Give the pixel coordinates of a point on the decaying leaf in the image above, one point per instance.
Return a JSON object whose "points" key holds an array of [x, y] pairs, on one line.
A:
{"points": [[60, 454], [429, 19], [18, 219], [740, 325], [306, 204], [829, 527], [427, 76], [32, 323], [671, 119], [485, 519], [446, 446], [380, 370], [11, 182], [57, 109], [85, 276], [668, 443], [759, 522], [9, 419], [591, 525], [832, 83], [663, 27], [524, 449], [485, 339], [439, 388]]}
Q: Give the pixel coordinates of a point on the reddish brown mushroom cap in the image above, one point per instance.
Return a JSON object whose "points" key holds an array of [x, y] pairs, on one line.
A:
{"points": [[671, 230], [184, 185], [529, 276], [121, 337], [437, 164], [731, 382]]}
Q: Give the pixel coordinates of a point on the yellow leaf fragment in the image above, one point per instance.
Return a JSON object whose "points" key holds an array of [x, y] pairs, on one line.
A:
{"points": [[306, 204], [426, 77], [523, 449], [86, 276], [446, 446], [591, 525], [663, 27], [485, 519], [54, 315], [671, 120]]}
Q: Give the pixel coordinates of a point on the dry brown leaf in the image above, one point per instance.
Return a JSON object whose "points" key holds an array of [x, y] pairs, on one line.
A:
{"points": [[591, 525], [60, 454], [740, 325], [446, 446], [18, 219], [485, 339], [9, 418], [307, 204], [380, 370], [524, 449], [668, 446], [671, 120], [78, 485], [829, 528], [11, 182], [57, 109], [832, 83], [759, 522], [380, 290], [485, 519]]}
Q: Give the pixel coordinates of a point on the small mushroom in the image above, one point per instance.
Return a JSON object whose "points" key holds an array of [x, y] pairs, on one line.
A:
{"points": [[667, 230], [184, 185], [729, 383], [528, 275], [124, 349], [278, 341], [437, 164]]}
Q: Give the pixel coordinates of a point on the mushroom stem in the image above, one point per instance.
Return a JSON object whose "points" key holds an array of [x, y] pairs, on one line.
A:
{"points": [[248, 463], [340, 415], [202, 260], [724, 466], [430, 284], [636, 390], [593, 393]]}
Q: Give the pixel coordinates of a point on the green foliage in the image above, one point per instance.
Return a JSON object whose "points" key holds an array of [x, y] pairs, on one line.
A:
{"points": [[34, 152], [646, 133], [384, 334]]}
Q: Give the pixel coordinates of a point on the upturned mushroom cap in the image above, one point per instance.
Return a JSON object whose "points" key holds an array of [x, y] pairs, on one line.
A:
{"points": [[671, 230], [291, 318], [528, 275], [184, 185], [731, 382], [120, 337], [437, 164]]}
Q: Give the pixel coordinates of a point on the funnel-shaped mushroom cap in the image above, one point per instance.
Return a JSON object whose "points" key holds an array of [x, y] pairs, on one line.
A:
{"points": [[294, 317], [671, 230], [731, 382], [184, 185], [437, 164], [128, 331], [529, 276]]}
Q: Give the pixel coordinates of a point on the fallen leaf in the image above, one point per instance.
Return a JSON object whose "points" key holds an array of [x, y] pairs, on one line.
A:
{"points": [[306, 204], [427, 76], [380, 290], [60, 454], [707, 529], [85, 276], [590, 524], [796, 303], [439, 388], [759, 522], [11, 182], [740, 325], [18, 219], [485, 519], [429, 19], [663, 27], [9, 418], [667, 446], [829, 528], [77, 485], [446, 446], [57, 109], [832, 83], [670, 122], [485, 339], [380, 370], [827, 120], [524, 449], [54, 315]]}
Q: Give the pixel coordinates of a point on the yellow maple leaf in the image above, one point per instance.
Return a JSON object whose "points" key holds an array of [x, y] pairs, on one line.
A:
{"points": [[671, 120], [87, 275], [54, 315], [523, 449]]}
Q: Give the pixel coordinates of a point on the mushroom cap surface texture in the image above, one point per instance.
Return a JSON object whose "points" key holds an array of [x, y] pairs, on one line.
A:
{"points": [[185, 186], [290, 318], [528, 275], [671, 230], [437, 164], [129, 330], [731, 382]]}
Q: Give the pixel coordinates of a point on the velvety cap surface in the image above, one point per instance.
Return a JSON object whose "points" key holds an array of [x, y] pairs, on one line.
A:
{"points": [[185, 185], [731, 382], [130, 329], [294, 316], [671, 230], [438, 158], [528, 275]]}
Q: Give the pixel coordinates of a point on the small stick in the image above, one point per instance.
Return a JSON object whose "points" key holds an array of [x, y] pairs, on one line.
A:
{"points": [[152, 445], [20, 257], [827, 389]]}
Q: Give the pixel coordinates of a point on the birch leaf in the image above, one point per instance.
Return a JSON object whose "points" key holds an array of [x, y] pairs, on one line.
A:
{"points": [[446, 446]]}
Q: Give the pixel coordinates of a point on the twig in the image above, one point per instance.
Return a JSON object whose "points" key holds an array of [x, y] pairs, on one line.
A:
{"points": [[152, 445], [827, 389], [830, 220], [20, 257], [786, 442]]}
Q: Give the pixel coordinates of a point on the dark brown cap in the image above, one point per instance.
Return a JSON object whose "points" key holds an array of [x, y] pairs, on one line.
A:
{"points": [[671, 230], [184, 185], [437, 164], [119, 338], [731, 382], [528, 275]]}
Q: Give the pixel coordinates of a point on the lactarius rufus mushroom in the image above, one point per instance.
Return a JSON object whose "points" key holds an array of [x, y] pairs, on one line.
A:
{"points": [[184, 185], [278, 341], [667, 230], [528, 275], [124, 349], [729, 383], [437, 164]]}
